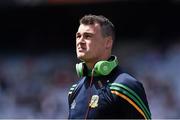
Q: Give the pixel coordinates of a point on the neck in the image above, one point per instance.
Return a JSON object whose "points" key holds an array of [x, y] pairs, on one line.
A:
{"points": [[90, 65]]}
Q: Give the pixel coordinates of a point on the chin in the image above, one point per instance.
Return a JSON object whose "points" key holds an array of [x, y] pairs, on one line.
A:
{"points": [[81, 57]]}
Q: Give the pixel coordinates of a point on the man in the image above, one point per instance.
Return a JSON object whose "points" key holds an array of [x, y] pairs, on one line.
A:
{"points": [[104, 90]]}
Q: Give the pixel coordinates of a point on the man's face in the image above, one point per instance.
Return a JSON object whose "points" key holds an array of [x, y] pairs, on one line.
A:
{"points": [[90, 44]]}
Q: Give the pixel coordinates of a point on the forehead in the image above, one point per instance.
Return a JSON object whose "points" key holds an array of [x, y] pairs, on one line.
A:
{"points": [[89, 28]]}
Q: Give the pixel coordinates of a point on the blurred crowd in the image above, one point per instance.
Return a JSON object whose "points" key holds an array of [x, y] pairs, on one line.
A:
{"points": [[36, 86]]}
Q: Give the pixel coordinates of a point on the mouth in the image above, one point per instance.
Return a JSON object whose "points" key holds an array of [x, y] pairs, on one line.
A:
{"points": [[81, 49]]}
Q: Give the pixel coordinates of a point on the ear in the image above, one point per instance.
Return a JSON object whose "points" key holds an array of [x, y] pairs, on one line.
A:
{"points": [[109, 42]]}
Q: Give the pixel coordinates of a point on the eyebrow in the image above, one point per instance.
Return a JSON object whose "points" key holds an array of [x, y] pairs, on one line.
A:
{"points": [[85, 33], [77, 33]]}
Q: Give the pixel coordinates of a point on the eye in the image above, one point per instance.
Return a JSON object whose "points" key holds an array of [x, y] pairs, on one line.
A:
{"points": [[78, 36], [88, 36]]}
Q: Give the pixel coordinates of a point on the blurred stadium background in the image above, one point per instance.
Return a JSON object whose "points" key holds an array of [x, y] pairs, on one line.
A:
{"points": [[37, 52]]}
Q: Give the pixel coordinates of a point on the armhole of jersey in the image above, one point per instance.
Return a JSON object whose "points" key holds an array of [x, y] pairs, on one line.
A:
{"points": [[74, 90]]}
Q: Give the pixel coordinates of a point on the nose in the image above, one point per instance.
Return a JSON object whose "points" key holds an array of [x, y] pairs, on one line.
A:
{"points": [[80, 40]]}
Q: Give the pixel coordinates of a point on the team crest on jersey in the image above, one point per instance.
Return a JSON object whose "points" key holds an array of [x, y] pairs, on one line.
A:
{"points": [[94, 101]]}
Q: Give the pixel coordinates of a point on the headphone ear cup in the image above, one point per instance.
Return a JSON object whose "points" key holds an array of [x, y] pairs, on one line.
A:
{"points": [[79, 69], [102, 68], [105, 67]]}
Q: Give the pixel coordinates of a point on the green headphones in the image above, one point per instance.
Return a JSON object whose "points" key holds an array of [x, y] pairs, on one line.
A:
{"points": [[100, 68]]}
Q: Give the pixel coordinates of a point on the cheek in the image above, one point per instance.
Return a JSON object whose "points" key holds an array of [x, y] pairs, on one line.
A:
{"points": [[100, 46], [76, 42], [95, 46], [89, 45]]}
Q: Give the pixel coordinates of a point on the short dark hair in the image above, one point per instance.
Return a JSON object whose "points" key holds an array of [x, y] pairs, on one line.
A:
{"points": [[107, 28]]}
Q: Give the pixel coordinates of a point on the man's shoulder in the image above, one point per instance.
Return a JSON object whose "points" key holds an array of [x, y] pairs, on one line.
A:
{"points": [[76, 85], [119, 75], [127, 81], [126, 78], [127, 87], [123, 77], [74, 89]]}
